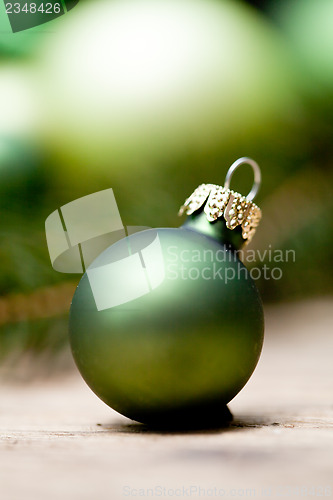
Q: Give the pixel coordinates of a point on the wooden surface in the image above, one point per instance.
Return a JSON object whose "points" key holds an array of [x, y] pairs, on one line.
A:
{"points": [[58, 441]]}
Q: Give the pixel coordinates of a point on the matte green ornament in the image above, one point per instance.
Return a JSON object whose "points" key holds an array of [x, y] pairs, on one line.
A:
{"points": [[166, 325]]}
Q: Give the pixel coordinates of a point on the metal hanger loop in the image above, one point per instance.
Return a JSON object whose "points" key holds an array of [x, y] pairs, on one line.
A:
{"points": [[256, 171]]}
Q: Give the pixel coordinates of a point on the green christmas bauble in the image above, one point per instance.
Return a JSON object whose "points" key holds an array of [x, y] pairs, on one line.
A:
{"points": [[166, 325]]}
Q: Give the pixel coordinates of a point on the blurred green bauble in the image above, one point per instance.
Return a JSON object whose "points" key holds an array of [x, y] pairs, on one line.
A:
{"points": [[20, 157], [129, 84], [173, 340], [23, 180], [308, 27]]}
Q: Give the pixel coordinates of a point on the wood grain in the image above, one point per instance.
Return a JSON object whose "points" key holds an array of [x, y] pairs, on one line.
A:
{"points": [[58, 441]]}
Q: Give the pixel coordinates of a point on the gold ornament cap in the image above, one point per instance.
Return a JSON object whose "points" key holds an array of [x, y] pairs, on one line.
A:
{"points": [[221, 201]]}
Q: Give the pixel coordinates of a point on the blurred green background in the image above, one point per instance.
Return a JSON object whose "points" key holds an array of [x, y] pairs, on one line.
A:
{"points": [[152, 98]]}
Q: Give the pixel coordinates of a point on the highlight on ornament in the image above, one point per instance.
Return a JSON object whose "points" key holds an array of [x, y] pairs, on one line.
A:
{"points": [[156, 346]]}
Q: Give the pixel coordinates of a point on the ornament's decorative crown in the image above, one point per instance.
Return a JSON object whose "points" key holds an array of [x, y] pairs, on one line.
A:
{"points": [[220, 201]]}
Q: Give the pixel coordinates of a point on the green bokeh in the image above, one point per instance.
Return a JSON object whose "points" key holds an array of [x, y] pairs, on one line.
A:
{"points": [[294, 150]]}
